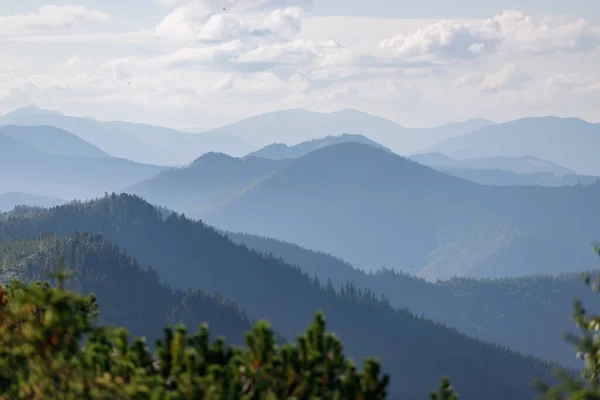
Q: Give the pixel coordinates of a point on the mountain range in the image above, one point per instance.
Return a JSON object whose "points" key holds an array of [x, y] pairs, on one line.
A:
{"points": [[186, 253], [298, 125], [137, 142], [519, 164], [281, 151], [377, 209], [570, 142], [514, 312], [42, 161]]}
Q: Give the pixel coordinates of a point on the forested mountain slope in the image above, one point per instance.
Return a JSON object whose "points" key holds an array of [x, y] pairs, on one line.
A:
{"points": [[376, 209], [415, 351], [128, 295], [515, 312]]}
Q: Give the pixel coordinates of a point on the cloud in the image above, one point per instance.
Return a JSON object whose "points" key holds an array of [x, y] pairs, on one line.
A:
{"points": [[51, 18], [296, 52], [509, 77], [444, 40], [210, 21], [470, 79], [220, 54], [508, 32]]}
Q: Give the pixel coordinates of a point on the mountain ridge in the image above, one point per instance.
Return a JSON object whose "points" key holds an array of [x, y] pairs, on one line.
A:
{"points": [[545, 138], [385, 193], [415, 350]]}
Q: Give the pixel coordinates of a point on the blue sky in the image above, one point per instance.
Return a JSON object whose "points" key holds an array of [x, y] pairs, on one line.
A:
{"points": [[187, 62]]}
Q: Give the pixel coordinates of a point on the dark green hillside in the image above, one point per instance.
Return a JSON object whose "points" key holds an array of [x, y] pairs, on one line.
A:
{"points": [[416, 352], [515, 312], [128, 294]]}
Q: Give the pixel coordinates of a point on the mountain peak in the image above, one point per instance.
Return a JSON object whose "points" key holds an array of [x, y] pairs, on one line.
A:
{"points": [[30, 110], [212, 156]]}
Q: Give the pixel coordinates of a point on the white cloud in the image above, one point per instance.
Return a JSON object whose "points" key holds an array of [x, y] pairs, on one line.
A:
{"points": [[508, 32], [211, 21], [259, 55], [509, 77], [470, 79], [219, 55], [51, 18]]}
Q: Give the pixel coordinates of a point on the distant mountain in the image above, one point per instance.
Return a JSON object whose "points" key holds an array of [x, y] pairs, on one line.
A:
{"points": [[208, 182], [195, 130], [24, 168], [186, 145], [185, 253], [453, 129], [138, 142], [516, 312], [507, 178], [53, 140], [280, 151], [519, 164], [376, 209], [8, 201], [547, 138], [117, 143], [298, 125]]}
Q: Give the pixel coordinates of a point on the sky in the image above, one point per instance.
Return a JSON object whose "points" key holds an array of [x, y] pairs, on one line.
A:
{"points": [[204, 63]]}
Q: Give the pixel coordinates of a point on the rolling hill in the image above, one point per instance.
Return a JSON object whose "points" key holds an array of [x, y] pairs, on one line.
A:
{"points": [[376, 209], [547, 138], [24, 168], [298, 125], [281, 151], [185, 253]]}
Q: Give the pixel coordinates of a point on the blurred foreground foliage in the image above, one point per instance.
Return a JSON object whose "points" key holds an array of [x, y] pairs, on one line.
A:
{"points": [[51, 347]]}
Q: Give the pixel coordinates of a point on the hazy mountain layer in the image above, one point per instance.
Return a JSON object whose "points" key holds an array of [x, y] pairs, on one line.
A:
{"points": [[24, 168], [570, 142], [376, 210]]}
